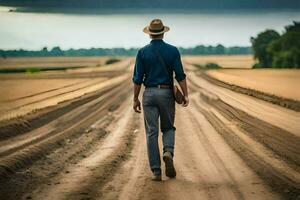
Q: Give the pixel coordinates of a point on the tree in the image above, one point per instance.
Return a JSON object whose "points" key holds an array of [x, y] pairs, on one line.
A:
{"points": [[56, 51], [220, 49], [260, 45], [286, 50]]}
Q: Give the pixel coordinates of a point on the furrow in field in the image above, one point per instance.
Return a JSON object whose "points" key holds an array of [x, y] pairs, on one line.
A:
{"points": [[281, 101], [88, 176], [279, 140], [62, 75], [223, 172], [266, 146], [278, 174], [217, 161], [44, 91], [55, 100], [13, 127], [61, 123], [106, 71], [46, 172], [70, 151], [35, 148], [207, 167], [282, 142], [283, 118], [131, 177], [33, 99]]}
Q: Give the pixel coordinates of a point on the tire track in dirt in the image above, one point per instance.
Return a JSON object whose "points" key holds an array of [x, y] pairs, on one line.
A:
{"points": [[207, 168], [282, 142], [274, 171], [218, 162], [273, 114], [63, 75], [107, 71], [87, 177], [211, 166], [113, 163], [281, 101], [54, 101], [46, 91], [64, 122], [271, 151], [214, 160], [72, 150], [41, 146], [26, 102], [127, 182], [34, 120]]}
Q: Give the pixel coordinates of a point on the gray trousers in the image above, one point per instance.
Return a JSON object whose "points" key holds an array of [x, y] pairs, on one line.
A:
{"points": [[158, 104]]}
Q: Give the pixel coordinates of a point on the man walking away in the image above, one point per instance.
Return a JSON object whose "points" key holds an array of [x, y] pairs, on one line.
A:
{"points": [[154, 67]]}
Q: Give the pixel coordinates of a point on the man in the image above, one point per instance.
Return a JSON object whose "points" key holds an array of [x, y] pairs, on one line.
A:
{"points": [[154, 68]]}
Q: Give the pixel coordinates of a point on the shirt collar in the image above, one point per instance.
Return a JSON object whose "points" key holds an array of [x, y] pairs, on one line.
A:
{"points": [[156, 40]]}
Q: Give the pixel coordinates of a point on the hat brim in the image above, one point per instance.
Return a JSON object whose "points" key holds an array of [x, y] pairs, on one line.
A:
{"points": [[147, 30]]}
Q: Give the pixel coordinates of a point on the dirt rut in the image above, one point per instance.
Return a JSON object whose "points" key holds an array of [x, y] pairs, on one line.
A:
{"points": [[281, 101], [26, 148], [87, 176], [228, 146], [207, 168], [270, 150]]}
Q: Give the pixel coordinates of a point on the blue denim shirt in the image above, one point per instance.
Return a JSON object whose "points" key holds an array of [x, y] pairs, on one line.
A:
{"points": [[149, 70]]}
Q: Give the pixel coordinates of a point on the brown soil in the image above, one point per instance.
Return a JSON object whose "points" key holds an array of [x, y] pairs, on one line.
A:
{"points": [[26, 93], [281, 101], [41, 62], [225, 61], [278, 82], [228, 146]]}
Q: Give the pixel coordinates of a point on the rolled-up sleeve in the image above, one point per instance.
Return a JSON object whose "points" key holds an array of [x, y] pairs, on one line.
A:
{"points": [[138, 73], [178, 68]]}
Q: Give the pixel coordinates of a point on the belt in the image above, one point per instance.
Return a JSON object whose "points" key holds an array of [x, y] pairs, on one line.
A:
{"points": [[160, 86]]}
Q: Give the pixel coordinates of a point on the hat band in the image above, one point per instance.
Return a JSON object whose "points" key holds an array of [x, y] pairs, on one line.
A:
{"points": [[156, 31]]}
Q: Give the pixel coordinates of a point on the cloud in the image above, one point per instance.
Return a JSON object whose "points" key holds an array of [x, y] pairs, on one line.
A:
{"points": [[146, 4]]}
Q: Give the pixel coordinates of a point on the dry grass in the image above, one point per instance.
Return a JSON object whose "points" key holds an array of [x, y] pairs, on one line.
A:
{"points": [[225, 61], [279, 82]]}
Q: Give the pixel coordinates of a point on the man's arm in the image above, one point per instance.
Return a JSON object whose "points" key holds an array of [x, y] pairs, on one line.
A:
{"points": [[137, 78], [183, 86], [181, 77], [136, 101]]}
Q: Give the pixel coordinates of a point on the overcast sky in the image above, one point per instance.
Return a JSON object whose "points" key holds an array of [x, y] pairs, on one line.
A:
{"points": [[166, 4], [35, 29]]}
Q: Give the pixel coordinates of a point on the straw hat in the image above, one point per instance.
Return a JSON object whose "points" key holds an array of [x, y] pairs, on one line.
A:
{"points": [[156, 27]]}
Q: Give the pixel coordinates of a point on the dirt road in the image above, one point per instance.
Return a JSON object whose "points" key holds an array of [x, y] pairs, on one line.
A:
{"points": [[228, 146]]}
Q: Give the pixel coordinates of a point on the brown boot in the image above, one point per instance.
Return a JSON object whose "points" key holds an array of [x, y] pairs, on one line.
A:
{"points": [[170, 169], [156, 177]]}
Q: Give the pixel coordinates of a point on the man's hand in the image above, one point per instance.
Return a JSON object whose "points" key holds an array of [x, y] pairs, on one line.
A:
{"points": [[136, 101], [186, 101], [137, 106], [183, 86]]}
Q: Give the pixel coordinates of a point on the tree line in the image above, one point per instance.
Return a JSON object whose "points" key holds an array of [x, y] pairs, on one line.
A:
{"points": [[274, 50], [57, 51]]}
